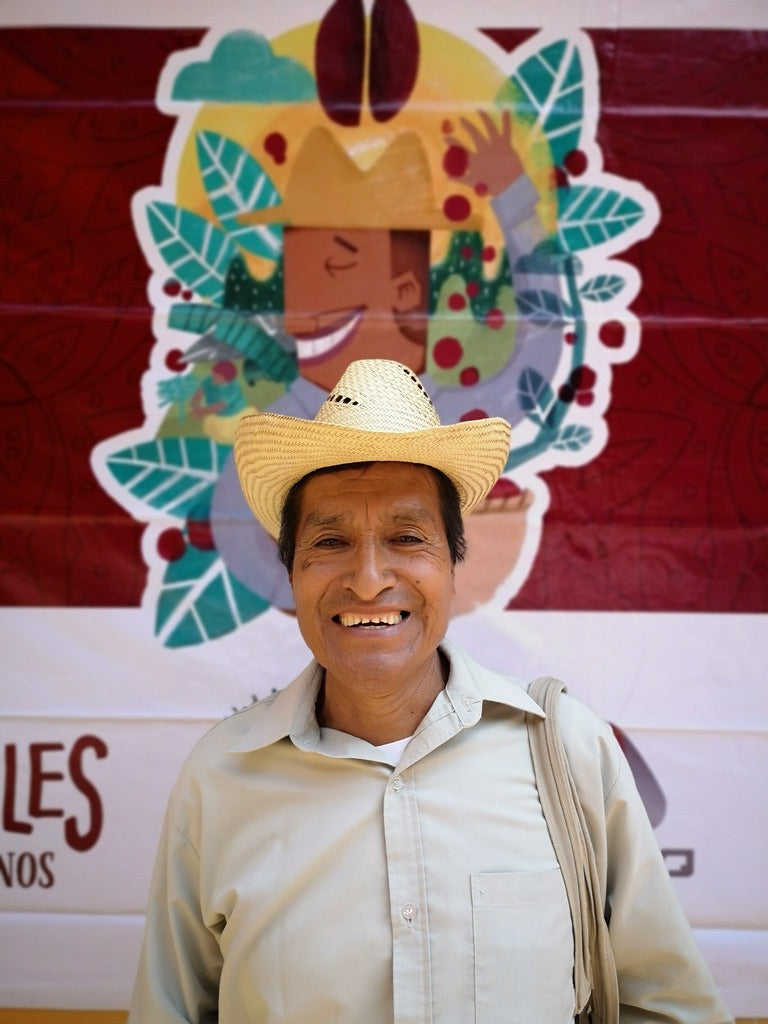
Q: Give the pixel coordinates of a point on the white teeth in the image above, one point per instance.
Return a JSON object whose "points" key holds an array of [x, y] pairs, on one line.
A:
{"points": [[321, 344], [374, 620]]}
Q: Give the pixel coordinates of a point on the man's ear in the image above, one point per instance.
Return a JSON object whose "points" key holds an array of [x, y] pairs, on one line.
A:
{"points": [[406, 292]]}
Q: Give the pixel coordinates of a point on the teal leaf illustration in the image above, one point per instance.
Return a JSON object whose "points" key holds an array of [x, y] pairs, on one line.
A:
{"points": [[549, 88], [194, 317], [236, 183], [200, 600], [172, 474], [196, 251], [534, 395], [250, 337], [602, 288], [572, 438], [590, 215], [177, 391], [541, 306]]}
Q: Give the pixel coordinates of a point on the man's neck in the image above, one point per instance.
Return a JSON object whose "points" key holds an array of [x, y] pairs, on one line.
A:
{"points": [[384, 715]]}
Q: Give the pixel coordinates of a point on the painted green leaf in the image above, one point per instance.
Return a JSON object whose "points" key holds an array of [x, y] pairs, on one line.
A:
{"points": [[534, 395], [196, 251], [250, 338], [602, 288], [572, 438], [200, 600], [236, 183], [541, 306], [194, 317], [548, 87], [171, 474], [177, 391], [590, 215]]}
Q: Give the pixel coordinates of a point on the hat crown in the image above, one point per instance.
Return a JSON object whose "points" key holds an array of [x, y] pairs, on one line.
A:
{"points": [[379, 395]]}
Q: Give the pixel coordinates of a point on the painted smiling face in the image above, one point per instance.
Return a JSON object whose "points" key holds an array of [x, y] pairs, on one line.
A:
{"points": [[354, 294]]}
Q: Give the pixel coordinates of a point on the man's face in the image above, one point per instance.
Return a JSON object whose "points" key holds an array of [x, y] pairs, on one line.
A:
{"points": [[340, 299], [372, 576]]}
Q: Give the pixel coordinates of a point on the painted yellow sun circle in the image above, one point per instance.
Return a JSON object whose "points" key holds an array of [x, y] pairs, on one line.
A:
{"points": [[455, 81]]}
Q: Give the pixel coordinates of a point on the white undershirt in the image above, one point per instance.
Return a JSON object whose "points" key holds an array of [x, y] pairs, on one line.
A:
{"points": [[392, 752]]}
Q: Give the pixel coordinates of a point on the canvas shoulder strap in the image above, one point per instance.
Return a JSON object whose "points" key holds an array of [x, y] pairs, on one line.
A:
{"points": [[594, 969]]}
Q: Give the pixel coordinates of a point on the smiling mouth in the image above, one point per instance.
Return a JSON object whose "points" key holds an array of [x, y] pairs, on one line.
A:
{"points": [[313, 348], [370, 622]]}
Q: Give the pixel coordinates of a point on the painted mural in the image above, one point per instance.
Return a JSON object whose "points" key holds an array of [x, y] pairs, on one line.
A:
{"points": [[370, 187]]}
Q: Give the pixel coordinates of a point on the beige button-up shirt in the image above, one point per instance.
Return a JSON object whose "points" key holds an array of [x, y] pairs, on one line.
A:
{"points": [[302, 879]]}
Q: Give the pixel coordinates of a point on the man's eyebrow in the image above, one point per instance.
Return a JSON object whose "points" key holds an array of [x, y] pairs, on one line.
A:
{"points": [[413, 515], [344, 243], [320, 519]]}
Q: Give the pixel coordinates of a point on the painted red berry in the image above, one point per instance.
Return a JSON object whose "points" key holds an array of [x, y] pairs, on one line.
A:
{"points": [[200, 534], [171, 544], [187, 295], [489, 253], [276, 146], [566, 393], [612, 334], [585, 398], [172, 287], [469, 376], [457, 208], [575, 162], [447, 353], [456, 301], [495, 319], [175, 361], [455, 161], [473, 289], [570, 337], [583, 378], [474, 414], [466, 252]]}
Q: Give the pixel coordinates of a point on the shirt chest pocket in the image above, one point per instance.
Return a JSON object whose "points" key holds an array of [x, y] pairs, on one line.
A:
{"points": [[523, 948]]}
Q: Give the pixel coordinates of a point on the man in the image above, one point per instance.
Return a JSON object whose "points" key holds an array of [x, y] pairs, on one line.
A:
{"points": [[367, 845]]}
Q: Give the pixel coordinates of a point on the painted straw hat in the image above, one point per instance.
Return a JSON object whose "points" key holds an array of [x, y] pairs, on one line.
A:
{"points": [[378, 412], [326, 188]]}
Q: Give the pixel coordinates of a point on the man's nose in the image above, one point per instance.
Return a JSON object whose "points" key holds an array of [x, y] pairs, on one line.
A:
{"points": [[370, 570]]}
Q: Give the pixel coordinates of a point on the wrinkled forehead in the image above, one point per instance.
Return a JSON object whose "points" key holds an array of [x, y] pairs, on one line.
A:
{"points": [[393, 480]]}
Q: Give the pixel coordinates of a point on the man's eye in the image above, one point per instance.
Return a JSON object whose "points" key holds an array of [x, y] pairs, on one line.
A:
{"points": [[408, 538], [329, 542]]}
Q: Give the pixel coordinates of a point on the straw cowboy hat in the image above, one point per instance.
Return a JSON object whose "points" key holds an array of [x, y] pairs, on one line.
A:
{"points": [[327, 189], [378, 412]]}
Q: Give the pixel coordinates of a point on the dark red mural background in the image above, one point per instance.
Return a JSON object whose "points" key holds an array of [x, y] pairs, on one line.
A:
{"points": [[673, 515]]}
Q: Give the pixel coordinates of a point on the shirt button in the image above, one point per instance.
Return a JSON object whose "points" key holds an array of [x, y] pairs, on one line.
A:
{"points": [[397, 783], [408, 910]]}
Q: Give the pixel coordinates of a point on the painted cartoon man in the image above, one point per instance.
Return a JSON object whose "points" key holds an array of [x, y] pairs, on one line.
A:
{"points": [[356, 264]]}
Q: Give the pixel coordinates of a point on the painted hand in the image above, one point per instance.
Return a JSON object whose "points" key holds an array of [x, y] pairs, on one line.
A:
{"points": [[493, 163]]}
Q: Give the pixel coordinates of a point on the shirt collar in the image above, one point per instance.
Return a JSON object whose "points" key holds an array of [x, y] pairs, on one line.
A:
{"points": [[470, 685], [291, 711]]}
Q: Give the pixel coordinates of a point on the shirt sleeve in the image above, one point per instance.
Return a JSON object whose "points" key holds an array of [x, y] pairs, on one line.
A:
{"points": [[180, 963], [662, 974]]}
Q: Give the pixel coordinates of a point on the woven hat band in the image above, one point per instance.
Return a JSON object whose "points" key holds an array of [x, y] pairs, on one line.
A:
{"points": [[381, 396]]}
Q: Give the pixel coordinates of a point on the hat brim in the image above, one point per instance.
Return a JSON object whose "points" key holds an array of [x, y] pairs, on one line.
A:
{"points": [[273, 452], [282, 216]]}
